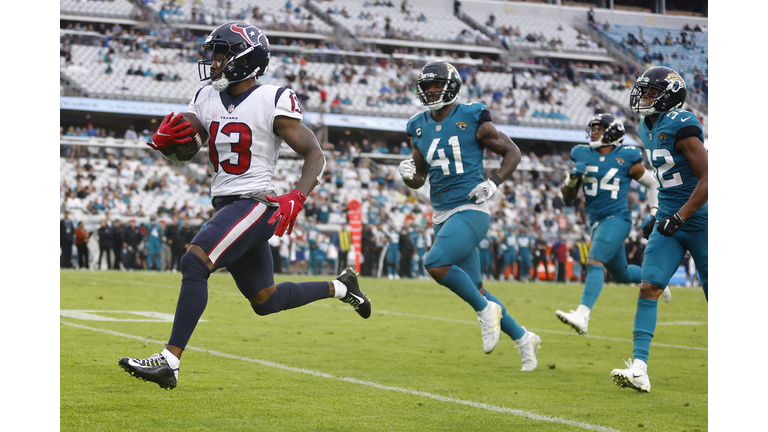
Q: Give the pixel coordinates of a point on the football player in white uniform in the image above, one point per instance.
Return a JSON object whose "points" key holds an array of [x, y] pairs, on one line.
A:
{"points": [[246, 122]]}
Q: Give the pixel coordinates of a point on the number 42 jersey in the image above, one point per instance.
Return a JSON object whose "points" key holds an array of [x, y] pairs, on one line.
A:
{"points": [[673, 173], [243, 147], [606, 180], [451, 150]]}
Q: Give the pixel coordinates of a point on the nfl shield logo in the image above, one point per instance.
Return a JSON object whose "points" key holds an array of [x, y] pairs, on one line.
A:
{"points": [[231, 108], [602, 158], [438, 128]]}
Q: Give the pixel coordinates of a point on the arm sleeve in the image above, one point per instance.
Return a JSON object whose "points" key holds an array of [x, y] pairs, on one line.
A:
{"points": [[287, 104], [485, 116], [574, 153], [688, 131], [192, 108], [649, 182]]}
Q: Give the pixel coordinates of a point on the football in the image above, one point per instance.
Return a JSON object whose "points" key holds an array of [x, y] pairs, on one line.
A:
{"points": [[186, 151]]}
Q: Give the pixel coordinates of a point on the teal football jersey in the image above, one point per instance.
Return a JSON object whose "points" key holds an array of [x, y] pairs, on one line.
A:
{"points": [[450, 148], [673, 173], [606, 180]]}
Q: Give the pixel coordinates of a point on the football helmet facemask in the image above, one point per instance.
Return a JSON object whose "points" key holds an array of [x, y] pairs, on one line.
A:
{"points": [[613, 131], [664, 85], [244, 49], [445, 74]]}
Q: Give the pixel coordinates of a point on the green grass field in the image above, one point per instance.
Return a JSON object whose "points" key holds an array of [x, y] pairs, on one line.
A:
{"points": [[416, 365]]}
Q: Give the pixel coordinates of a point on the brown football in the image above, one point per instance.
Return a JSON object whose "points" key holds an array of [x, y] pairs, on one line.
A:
{"points": [[186, 151]]}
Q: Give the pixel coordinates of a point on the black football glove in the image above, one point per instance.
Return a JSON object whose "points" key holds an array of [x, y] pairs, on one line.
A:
{"points": [[669, 225], [648, 227]]}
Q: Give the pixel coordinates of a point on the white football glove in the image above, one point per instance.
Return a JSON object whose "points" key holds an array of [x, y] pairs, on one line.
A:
{"points": [[407, 169], [483, 191]]}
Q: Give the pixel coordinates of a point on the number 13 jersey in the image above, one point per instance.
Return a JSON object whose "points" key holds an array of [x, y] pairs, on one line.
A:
{"points": [[243, 148]]}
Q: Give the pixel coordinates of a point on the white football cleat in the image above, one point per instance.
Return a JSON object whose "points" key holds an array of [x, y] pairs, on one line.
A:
{"points": [[579, 322], [635, 377], [490, 324], [667, 294], [529, 345]]}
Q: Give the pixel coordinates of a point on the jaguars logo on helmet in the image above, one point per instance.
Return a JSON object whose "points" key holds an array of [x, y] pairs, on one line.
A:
{"points": [[445, 74], [245, 50], [663, 85], [613, 131]]}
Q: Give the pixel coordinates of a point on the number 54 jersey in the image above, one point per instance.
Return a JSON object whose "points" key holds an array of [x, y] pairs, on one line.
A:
{"points": [[243, 147], [606, 180], [673, 173], [451, 150]]}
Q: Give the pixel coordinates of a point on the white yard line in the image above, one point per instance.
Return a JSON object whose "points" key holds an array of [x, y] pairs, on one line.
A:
{"points": [[473, 404], [567, 333]]}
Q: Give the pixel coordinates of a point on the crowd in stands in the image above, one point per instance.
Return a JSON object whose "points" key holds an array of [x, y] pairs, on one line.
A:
{"points": [[99, 191], [684, 50], [150, 209]]}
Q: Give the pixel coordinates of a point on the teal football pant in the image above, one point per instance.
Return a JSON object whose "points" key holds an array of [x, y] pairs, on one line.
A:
{"points": [[456, 242], [662, 258], [608, 237]]}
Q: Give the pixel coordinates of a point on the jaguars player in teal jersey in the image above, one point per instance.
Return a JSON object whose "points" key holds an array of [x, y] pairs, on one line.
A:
{"points": [[448, 142], [604, 170], [674, 144]]}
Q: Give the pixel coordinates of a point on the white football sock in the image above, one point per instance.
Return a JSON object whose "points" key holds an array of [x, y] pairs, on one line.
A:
{"points": [[341, 289], [640, 365], [172, 360], [583, 310]]}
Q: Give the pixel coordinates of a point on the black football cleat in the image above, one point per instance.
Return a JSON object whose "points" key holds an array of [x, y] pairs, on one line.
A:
{"points": [[354, 296], [154, 369]]}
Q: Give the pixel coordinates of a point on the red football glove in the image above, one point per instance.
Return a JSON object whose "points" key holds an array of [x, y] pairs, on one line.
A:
{"points": [[290, 206], [169, 133]]}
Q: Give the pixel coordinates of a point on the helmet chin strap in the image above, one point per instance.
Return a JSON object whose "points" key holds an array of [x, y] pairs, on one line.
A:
{"points": [[436, 107], [220, 84]]}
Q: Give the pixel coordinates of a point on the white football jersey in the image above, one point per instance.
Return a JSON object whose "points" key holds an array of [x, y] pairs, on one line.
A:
{"points": [[243, 148]]}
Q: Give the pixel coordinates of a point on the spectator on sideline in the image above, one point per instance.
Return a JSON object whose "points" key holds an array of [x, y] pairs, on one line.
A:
{"points": [[342, 240], [117, 243], [66, 240], [81, 242], [105, 243]]}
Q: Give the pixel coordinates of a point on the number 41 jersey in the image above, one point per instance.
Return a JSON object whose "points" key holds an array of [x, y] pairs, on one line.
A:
{"points": [[606, 180], [451, 150], [673, 173], [243, 147]]}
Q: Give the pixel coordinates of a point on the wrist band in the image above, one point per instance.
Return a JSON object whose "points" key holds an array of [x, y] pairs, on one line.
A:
{"points": [[496, 180]]}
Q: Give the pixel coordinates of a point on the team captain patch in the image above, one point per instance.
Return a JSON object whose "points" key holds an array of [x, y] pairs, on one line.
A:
{"points": [[418, 132]]}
